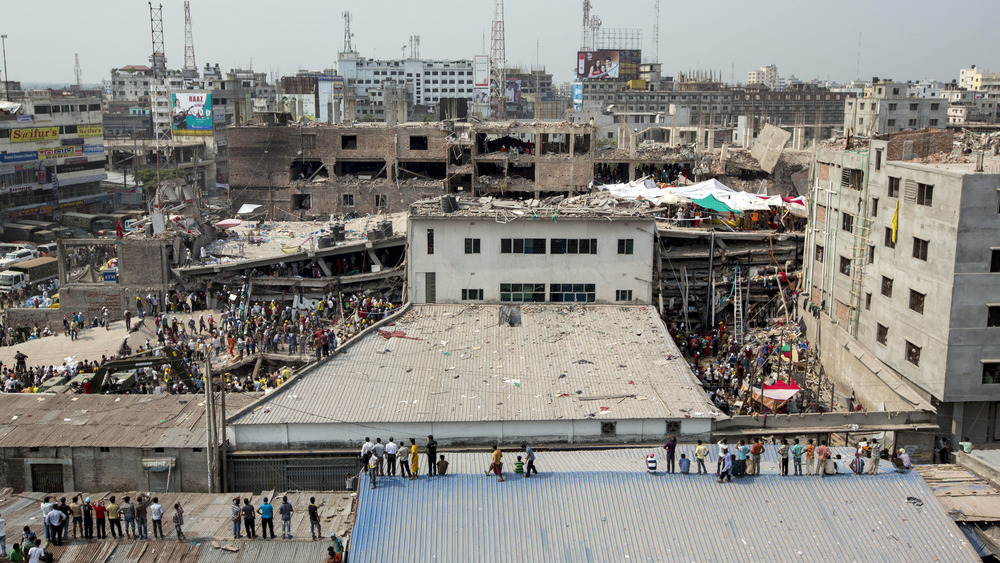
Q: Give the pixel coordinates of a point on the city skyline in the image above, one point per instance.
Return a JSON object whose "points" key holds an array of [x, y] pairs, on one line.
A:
{"points": [[912, 48]]}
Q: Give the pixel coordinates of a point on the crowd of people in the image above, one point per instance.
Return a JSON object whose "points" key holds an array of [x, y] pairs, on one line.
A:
{"points": [[85, 519], [380, 459], [244, 327]]}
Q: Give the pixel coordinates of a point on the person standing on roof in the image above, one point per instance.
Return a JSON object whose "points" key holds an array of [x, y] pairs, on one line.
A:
{"points": [[315, 527], [266, 511], [722, 445], [497, 466], [378, 453], [700, 453], [431, 450], [875, 450], [783, 450], [529, 457], [797, 450], [757, 450], [671, 447], [249, 515], [414, 459], [726, 467], [286, 510], [822, 455], [651, 462], [390, 457], [366, 453]]}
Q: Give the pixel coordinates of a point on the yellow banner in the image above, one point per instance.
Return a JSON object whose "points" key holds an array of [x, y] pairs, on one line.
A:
{"points": [[92, 130], [193, 132], [34, 134], [59, 152], [895, 222]]}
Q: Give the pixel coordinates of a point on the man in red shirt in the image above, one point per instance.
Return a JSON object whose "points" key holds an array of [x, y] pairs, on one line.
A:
{"points": [[822, 454]]}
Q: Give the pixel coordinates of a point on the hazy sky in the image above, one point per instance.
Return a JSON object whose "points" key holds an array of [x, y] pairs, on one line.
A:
{"points": [[912, 39]]}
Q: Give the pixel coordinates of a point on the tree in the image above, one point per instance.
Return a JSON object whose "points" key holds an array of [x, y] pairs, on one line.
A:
{"points": [[147, 177]]}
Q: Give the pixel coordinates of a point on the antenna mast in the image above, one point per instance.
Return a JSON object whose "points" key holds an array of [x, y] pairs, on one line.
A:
{"points": [[656, 34], [498, 61], [348, 42], [190, 66], [78, 72]]}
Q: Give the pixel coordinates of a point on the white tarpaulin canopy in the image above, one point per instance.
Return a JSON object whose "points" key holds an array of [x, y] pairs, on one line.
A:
{"points": [[740, 201], [248, 208]]}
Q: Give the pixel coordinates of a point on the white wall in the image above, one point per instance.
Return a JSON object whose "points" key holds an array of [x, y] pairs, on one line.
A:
{"points": [[252, 437], [455, 270]]}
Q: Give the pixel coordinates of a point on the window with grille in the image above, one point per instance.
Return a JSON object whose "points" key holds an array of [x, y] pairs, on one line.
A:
{"points": [[847, 222], [881, 334], [572, 293], [472, 295], [889, 243], [522, 246], [925, 194], [845, 266], [991, 372], [995, 260], [917, 301], [625, 246], [522, 292], [920, 249], [893, 186], [472, 246], [993, 315], [430, 241], [573, 246], [623, 295], [886, 286], [912, 353]]}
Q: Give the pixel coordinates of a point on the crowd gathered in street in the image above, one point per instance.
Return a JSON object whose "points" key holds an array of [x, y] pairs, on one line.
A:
{"points": [[236, 329]]}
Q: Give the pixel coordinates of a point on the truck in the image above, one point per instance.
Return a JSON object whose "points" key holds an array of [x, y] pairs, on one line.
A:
{"points": [[19, 232], [29, 272], [87, 222]]}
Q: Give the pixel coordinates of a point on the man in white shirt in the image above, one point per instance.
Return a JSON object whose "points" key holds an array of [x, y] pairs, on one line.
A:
{"points": [[366, 453], [390, 456], [55, 520], [3, 538], [156, 512], [35, 555], [47, 506], [723, 450]]}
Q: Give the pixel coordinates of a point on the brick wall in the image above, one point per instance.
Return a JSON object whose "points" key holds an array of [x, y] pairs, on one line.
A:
{"points": [[824, 172], [141, 262], [909, 145]]}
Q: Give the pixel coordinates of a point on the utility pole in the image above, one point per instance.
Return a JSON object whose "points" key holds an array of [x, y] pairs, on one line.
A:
{"points": [[210, 421], [223, 433], [78, 72]]}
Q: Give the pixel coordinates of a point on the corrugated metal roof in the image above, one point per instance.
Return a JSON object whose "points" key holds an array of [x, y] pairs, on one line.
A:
{"points": [[603, 506], [458, 364], [132, 421]]}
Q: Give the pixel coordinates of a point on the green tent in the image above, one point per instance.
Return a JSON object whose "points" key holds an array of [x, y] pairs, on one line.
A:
{"points": [[709, 202]]}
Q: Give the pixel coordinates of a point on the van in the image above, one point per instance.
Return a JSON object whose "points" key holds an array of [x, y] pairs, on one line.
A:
{"points": [[48, 249], [17, 256]]}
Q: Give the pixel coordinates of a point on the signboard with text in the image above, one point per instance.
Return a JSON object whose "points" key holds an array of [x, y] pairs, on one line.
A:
{"points": [[59, 152], [30, 134], [577, 96], [91, 130], [481, 71], [192, 113]]}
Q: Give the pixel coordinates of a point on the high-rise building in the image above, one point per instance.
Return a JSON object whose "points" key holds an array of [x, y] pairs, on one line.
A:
{"points": [[766, 75]]}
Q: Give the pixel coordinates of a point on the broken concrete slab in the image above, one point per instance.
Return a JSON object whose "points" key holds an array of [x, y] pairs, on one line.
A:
{"points": [[770, 142]]}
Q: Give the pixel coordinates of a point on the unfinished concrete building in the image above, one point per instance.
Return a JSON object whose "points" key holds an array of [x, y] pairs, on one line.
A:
{"points": [[360, 169]]}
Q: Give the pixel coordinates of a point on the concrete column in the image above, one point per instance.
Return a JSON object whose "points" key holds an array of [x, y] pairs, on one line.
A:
{"points": [[958, 421], [631, 171], [572, 142]]}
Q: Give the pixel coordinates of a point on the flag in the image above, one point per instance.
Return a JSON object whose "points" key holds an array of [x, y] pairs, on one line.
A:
{"points": [[119, 231], [895, 222]]}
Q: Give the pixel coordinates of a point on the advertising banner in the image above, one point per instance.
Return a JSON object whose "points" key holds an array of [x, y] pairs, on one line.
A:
{"points": [[34, 134], [23, 156], [59, 152], [512, 93], [481, 71], [93, 149], [622, 65], [577, 96], [338, 87], [90, 130], [192, 113]]}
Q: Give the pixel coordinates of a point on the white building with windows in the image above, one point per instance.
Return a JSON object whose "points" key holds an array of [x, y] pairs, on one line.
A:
{"points": [[903, 266], [518, 254], [887, 108], [427, 81]]}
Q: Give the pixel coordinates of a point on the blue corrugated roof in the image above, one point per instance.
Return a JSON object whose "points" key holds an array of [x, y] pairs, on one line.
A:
{"points": [[602, 506]]}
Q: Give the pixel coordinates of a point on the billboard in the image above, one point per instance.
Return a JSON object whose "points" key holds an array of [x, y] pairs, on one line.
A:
{"points": [[512, 91], [577, 96], [623, 65], [29, 134], [481, 71], [90, 130], [192, 113]]}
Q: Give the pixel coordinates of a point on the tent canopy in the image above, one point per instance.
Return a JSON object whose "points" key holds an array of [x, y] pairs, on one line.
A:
{"points": [[709, 202]]}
